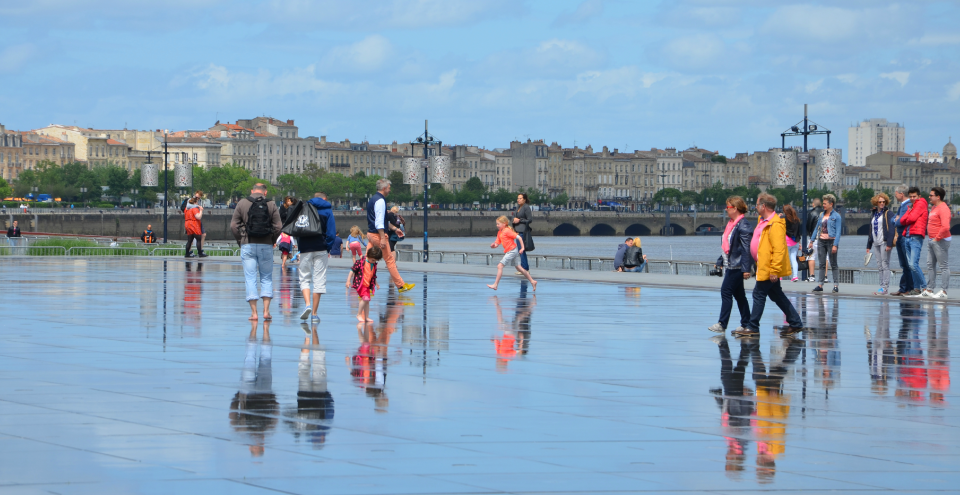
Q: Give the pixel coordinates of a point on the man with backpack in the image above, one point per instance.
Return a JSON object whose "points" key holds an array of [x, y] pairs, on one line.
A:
{"points": [[255, 225], [314, 254]]}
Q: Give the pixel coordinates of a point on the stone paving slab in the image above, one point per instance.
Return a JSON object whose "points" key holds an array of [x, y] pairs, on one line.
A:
{"points": [[144, 376]]}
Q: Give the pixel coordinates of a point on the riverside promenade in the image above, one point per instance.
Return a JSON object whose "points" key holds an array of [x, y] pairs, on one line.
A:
{"points": [[142, 375]]}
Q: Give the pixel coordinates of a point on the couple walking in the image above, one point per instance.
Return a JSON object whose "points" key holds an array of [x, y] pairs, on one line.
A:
{"points": [[743, 246]]}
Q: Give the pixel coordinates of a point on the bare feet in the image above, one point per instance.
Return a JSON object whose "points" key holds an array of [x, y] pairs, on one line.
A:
{"points": [[360, 318], [369, 320], [268, 317], [534, 284], [494, 287], [253, 317]]}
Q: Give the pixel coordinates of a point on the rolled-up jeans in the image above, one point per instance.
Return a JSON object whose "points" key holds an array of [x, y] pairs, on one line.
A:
{"points": [[880, 252], [257, 260], [825, 248], [938, 256], [914, 244]]}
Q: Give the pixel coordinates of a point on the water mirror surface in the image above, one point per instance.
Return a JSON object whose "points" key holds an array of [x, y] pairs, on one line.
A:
{"points": [[142, 376]]}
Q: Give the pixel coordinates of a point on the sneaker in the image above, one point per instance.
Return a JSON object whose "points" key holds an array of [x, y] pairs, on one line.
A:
{"points": [[926, 293], [717, 327], [898, 293], [718, 339], [913, 293], [406, 287], [880, 292], [190, 255], [305, 314], [203, 255], [315, 318], [746, 332], [305, 328], [939, 295], [818, 288], [812, 279], [794, 279], [836, 289]]}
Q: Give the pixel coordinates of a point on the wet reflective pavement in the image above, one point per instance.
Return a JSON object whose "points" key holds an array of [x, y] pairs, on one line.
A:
{"points": [[144, 376]]}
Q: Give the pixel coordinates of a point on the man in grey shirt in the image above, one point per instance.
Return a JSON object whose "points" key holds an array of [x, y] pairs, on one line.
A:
{"points": [[255, 225]]}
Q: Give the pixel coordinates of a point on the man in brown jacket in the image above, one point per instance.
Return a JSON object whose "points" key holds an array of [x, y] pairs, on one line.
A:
{"points": [[255, 225]]}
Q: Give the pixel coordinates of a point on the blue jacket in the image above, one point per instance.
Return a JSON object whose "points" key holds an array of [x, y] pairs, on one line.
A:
{"points": [[320, 243], [834, 226], [904, 206]]}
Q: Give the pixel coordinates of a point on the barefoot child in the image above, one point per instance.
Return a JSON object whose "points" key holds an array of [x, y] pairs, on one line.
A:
{"points": [[509, 239], [285, 243], [365, 281]]}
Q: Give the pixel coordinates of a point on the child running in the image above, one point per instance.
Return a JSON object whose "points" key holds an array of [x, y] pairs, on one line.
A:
{"points": [[285, 243], [508, 238], [365, 281], [355, 243]]}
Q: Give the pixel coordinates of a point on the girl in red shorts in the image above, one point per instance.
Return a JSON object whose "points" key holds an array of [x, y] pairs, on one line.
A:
{"points": [[366, 282]]}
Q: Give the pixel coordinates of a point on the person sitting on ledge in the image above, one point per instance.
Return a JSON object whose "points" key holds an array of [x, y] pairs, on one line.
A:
{"points": [[621, 251], [147, 236]]}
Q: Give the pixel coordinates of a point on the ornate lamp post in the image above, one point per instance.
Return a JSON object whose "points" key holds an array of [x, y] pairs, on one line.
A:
{"points": [[440, 176], [807, 129]]}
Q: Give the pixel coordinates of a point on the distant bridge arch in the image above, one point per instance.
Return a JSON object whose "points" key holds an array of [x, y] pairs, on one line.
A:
{"points": [[638, 229], [566, 229], [603, 229]]}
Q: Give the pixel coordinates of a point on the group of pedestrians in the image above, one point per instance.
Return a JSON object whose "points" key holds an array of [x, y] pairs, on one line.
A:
{"points": [[744, 246], [257, 226], [914, 221]]}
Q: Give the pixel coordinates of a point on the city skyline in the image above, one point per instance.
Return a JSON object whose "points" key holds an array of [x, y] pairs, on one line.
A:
{"points": [[728, 77]]}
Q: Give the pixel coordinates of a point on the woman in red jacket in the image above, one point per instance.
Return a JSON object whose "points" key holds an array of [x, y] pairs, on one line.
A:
{"points": [[191, 220]]}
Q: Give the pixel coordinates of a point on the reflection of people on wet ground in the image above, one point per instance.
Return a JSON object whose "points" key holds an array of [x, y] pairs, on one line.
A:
{"points": [[911, 372], [939, 352], [191, 295], [314, 411], [822, 339], [735, 409], [254, 408], [773, 407], [368, 366], [515, 339], [880, 352]]}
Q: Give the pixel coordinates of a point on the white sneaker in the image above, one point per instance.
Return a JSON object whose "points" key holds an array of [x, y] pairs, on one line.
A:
{"points": [[939, 295], [926, 293], [716, 327], [305, 314]]}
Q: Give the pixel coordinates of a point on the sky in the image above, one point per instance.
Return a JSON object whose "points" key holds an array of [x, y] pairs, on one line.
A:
{"points": [[723, 75]]}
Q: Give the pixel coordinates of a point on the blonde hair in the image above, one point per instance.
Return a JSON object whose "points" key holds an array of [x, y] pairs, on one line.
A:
{"points": [[355, 231], [504, 220], [830, 198], [874, 200], [636, 242]]}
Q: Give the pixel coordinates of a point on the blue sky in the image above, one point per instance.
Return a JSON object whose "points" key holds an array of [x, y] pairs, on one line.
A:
{"points": [[721, 74]]}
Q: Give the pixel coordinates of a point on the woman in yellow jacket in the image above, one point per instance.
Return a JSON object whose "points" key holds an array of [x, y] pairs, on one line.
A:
{"points": [[769, 248]]}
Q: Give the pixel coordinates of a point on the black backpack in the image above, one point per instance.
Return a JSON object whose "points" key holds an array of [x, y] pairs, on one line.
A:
{"points": [[259, 223]]}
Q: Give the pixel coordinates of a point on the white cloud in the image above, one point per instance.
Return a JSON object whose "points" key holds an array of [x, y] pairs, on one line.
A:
{"points": [[588, 9], [818, 24], [445, 83], [847, 78], [953, 94], [623, 80], [366, 55], [694, 51], [935, 39], [217, 79], [551, 58], [370, 15], [13, 57], [813, 86], [900, 76]]}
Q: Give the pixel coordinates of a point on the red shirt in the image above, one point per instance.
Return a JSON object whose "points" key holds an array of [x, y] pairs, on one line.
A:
{"points": [[506, 238]]}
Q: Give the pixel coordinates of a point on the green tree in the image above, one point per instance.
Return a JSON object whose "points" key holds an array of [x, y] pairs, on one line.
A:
{"points": [[667, 196], [560, 200], [118, 180], [688, 198], [503, 197], [441, 196], [5, 190], [399, 192], [475, 185], [25, 183], [718, 159]]}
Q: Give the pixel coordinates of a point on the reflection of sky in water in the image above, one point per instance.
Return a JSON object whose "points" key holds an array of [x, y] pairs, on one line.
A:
{"points": [[592, 382]]}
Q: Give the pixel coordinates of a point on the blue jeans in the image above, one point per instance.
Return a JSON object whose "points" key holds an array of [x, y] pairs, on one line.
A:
{"points": [[764, 289], [523, 261], [730, 289], [638, 268], [906, 279], [914, 245], [257, 259]]}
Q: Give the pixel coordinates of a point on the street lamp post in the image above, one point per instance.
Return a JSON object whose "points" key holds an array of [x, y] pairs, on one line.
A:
{"points": [[83, 195], [663, 185], [134, 192], [807, 129], [426, 139]]}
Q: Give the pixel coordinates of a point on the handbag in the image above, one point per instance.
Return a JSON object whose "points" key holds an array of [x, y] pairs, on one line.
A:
{"points": [[303, 221], [528, 245]]}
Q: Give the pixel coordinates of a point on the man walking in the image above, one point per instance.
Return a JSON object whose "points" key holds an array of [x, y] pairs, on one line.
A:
{"points": [[915, 226], [313, 256], [938, 249], [769, 249], [906, 277], [376, 220], [255, 225]]}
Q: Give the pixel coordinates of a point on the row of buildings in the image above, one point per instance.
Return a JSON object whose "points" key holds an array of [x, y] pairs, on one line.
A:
{"points": [[270, 148]]}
